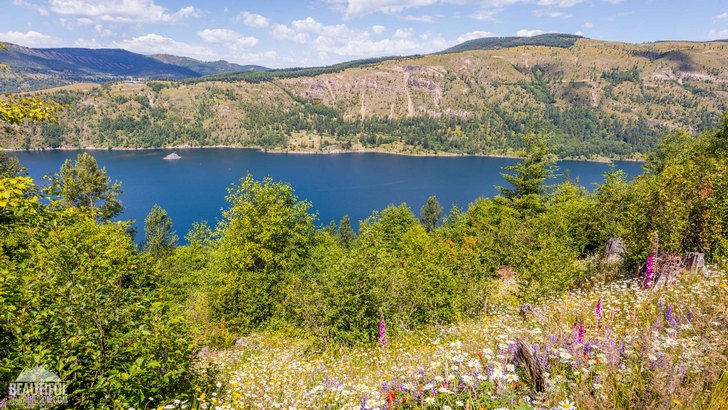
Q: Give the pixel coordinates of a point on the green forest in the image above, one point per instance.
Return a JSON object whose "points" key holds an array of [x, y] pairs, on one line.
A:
{"points": [[133, 326], [575, 132]]}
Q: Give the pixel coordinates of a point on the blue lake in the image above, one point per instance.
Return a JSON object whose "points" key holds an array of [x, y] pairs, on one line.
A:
{"points": [[194, 187]]}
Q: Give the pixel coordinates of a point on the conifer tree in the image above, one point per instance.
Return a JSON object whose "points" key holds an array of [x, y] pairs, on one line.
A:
{"points": [[347, 236], [430, 214], [159, 237], [527, 178]]}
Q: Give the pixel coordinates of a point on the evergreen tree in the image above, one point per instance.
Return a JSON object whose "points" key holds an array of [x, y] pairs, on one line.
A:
{"points": [[159, 237], [528, 176], [430, 214], [82, 184], [331, 229], [347, 236]]}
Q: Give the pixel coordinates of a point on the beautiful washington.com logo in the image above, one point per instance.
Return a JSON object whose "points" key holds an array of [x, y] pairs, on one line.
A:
{"points": [[36, 388]]}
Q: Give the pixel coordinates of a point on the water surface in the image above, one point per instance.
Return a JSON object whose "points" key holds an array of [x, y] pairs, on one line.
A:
{"points": [[194, 187]]}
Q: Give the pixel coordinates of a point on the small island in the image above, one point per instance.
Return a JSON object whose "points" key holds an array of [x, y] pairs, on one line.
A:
{"points": [[173, 156]]}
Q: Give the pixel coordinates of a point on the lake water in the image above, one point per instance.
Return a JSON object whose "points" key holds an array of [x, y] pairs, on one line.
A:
{"points": [[194, 187]]}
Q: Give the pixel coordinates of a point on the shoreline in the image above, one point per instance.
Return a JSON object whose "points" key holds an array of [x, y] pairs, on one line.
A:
{"points": [[300, 152]]}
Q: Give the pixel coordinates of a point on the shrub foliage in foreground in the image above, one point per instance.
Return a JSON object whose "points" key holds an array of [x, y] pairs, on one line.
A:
{"points": [[80, 300]]}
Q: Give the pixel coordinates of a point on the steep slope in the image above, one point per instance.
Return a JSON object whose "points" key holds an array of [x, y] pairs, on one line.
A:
{"points": [[206, 67], [594, 99]]}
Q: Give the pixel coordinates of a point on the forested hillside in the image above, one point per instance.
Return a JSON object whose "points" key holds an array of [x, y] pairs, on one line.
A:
{"points": [[592, 98], [39, 68]]}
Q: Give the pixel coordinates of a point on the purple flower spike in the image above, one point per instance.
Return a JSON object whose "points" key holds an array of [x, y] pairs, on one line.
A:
{"points": [[670, 317], [598, 309], [649, 274], [382, 330]]}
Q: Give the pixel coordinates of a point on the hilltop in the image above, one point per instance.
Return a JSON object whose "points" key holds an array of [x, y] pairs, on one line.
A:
{"points": [[593, 98]]}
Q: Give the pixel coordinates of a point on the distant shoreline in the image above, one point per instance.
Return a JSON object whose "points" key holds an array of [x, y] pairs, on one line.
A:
{"points": [[302, 152]]}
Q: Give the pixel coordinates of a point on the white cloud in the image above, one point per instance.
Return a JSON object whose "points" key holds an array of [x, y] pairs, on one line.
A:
{"points": [[121, 11], [359, 8], [283, 32], [421, 19], [402, 33], [559, 3], [474, 34], [102, 31], [579, 33], [253, 20], [29, 39], [35, 7], [366, 47], [588, 24], [486, 14], [718, 34], [529, 33], [158, 44], [343, 40], [552, 13], [307, 25], [722, 16], [83, 21], [228, 38], [377, 29], [74, 23]]}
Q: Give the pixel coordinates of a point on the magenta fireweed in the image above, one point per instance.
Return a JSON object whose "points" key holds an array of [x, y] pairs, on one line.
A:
{"points": [[598, 309], [580, 332], [382, 330], [648, 275]]}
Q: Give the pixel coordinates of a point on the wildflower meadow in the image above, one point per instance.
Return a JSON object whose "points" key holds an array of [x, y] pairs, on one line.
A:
{"points": [[617, 345]]}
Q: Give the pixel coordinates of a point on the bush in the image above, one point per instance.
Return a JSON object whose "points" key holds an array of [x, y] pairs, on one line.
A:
{"points": [[264, 235], [79, 299]]}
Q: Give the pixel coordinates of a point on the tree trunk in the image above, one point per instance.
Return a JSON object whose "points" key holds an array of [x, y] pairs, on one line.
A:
{"points": [[613, 250]]}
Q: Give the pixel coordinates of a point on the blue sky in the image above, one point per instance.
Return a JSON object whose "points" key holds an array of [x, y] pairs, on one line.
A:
{"points": [[317, 32]]}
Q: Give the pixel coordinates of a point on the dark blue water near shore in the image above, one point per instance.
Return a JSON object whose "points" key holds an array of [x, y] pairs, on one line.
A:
{"points": [[194, 187]]}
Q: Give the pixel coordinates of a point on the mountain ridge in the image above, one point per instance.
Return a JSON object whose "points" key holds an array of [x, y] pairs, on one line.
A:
{"points": [[594, 99], [39, 68]]}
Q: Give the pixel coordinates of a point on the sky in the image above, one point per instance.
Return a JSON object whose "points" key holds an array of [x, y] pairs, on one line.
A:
{"points": [[300, 33]]}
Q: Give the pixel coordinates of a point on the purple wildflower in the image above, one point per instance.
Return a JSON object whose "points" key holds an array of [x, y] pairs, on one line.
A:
{"points": [[598, 309], [587, 348], [382, 330], [670, 317], [648, 275], [577, 333]]}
